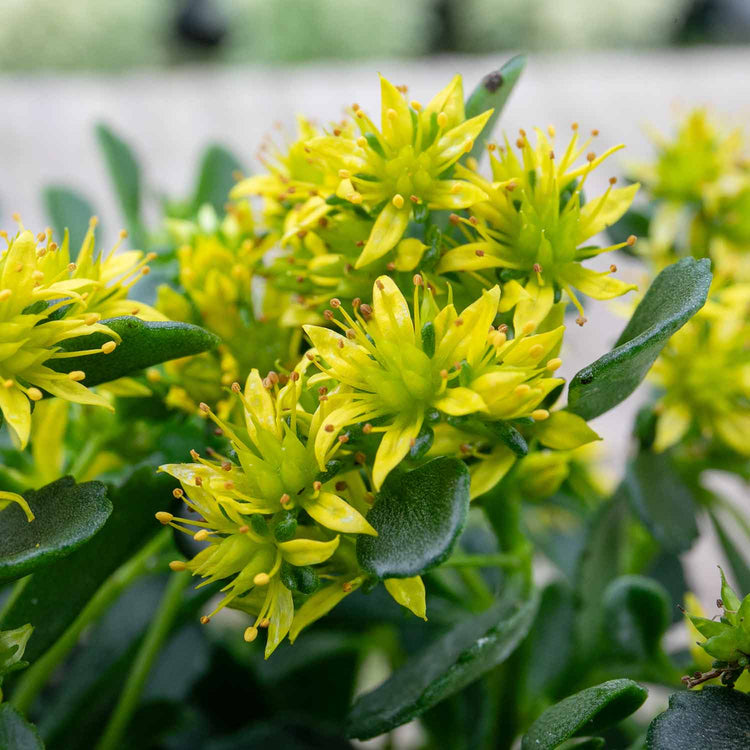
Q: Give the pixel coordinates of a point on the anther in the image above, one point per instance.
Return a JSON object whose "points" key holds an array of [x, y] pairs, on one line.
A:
{"points": [[417, 280], [458, 322], [613, 268], [201, 536], [317, 486], [367, 428], [250, 634], [335, 302], [163, 517], [347, 587], [243, 529], [34, 394], [594, 132], [178, 492], [581, 320], [77, 375], [442, 119], [177, 566], [108, 347], [612, 180], [284, 499], [262, 579], [205, 620], [414, 198], [343, 438], [590, 156], [553, 364], [204, 407], [539, 415], [398, 200], [631, 240], [537, 268], [328, 314]]}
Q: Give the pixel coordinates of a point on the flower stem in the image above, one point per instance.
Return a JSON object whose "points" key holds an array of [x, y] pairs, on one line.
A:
{"points": [[37, 675], [144, 660], [499, 560]]}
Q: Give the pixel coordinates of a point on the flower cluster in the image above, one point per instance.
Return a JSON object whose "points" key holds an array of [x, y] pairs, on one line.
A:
{"points": [[701, 181], [433, 302], [46, 299]]}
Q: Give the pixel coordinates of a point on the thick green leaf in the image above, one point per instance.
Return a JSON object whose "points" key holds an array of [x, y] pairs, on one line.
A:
{"points": [[493, 92], [69, 210], [735, 558], [144, 344], [715, 717], [637, 613], [418, 516], [67, 515], [126, 178], [52, 599], [677, 293], [662, 500], [215, 178], [584, 713], [15, 732], [446, 666]]}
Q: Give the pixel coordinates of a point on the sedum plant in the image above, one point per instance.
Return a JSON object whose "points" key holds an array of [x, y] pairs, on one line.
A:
{"points": [[340, 372]]}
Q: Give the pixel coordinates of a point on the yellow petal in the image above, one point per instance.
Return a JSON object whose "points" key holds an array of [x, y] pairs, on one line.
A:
{"points": [[17, 413], [388, 229], [672, 424], [259, 407], [459, 401], [535, 308], [453, 194], [408, 254], [391, 312], [564, 431], [513, 293], [526, 353], [487, 473], [465, 258], [319, 604], [592, 283], [451, 146], [395, 444], [331, 511], [450, 101], [467, 337], [307, 551], [602, 212], [346, 359], [280, 614], [350, 412], [395, 122], [6, 498], [409, 593], [734, 430]]}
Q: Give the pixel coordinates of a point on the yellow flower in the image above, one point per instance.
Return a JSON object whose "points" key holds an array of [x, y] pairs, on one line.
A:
{"points": [[249, 510], [42, 303], [705, 373], [533, 225], [404, 165], [393, 369]]}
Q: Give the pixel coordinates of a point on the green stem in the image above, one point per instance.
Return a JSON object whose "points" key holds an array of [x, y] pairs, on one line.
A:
{"points": [[473, 581], [499, 560], [37, 675], [144, 660]]}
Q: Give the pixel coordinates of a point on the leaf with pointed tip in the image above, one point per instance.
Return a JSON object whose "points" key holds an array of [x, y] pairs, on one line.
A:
{"points": [[584, 713], [67, 515], [215, 177], [676, 294], [144, 344], [126, 178], [447, 665], [68, 209], [493, 92], [418, 516]]}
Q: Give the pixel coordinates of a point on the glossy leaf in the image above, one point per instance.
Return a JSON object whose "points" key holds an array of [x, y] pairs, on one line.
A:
{"points": [[144, 344], [418, 516], [662, 500], [126, 178], [715, 717], [447, 665], [637, 613], [215, 177], [67, 515], [585, 713], [493, 92], [676, 294], [53, 599], [15, 732], [68, 209]]}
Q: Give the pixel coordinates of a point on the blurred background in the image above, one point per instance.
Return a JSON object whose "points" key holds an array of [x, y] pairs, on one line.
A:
{"points": [[171, 76]]}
